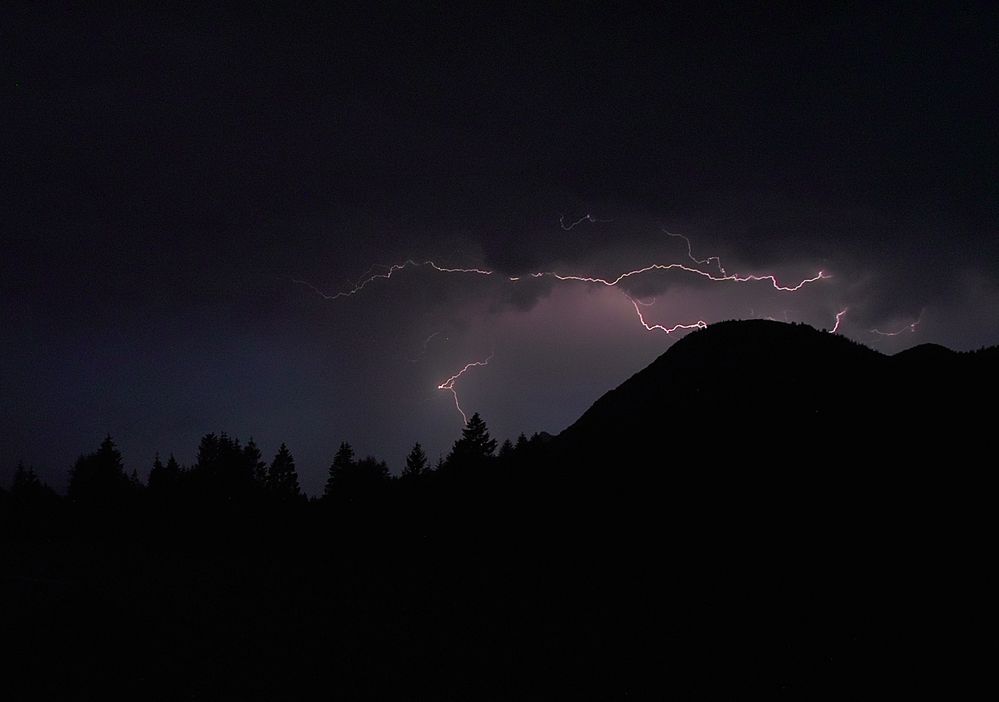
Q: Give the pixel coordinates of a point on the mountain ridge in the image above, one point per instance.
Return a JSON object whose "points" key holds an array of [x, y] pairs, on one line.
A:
{"points": [[739, 381]]}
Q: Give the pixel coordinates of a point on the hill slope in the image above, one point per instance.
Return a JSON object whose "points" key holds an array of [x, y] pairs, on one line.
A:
{"points": [[762, 391], [810, 496]]}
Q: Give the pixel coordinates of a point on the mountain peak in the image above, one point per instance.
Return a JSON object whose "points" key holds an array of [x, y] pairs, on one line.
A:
{"points": [[736, 385]]}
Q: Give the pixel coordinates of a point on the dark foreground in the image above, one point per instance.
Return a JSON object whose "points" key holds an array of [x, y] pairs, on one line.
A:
{"points": [[491, 601], [765, 509]]}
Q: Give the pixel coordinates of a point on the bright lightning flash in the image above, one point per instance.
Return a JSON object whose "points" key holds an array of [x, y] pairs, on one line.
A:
{"points": [[722, 276], [449, 384], [609, 282], [839, 318]]}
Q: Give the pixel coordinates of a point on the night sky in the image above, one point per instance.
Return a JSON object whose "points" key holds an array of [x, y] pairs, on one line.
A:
{"points": [[169, 175]]}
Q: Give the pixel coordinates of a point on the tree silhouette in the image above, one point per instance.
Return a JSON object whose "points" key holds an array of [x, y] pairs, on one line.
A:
{"points": [[506, 451], [475, 447], [349, 478], [521, 445], [370, 474], [156, 472], [99, 477], [33, 505], [282, 478], [476, 436], [28, 490], [255, 463], [416, 462], [164, 478], [224, 469], [134, 481], [172, 468], [343, 461], [25, 481]]}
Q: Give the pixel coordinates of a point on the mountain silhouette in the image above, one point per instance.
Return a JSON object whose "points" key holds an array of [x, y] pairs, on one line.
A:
{"points": [[746, 392], [821, 503]]}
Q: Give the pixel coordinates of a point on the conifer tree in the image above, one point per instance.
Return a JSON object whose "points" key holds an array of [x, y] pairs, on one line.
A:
{"points": [[475, 444], [506, 451], [416, 462], [282, 478], [343, 461], [255, 463], [521, 445], [25, 483], [99, 477], [164, 478]]}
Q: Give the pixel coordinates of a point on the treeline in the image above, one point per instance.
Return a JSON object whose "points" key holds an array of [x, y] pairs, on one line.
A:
{"points": [[170, 588], [228, 474]]}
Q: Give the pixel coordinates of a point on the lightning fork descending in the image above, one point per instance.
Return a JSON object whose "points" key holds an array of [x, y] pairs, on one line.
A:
{"points": [[690, 253], [839, 320], [699, 324], [449, 384]]}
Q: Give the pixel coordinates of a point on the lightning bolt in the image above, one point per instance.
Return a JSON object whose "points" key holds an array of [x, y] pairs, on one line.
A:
{"points": [[821, 275], [426, 344], [585, 218], [385, 272], [608, 282], [431, 338], [699, 324], [839, 318], [907, 328], [388, 273], [690, 253], [449, 384]]}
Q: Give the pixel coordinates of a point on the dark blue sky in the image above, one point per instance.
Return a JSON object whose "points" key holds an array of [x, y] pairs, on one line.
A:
{"points": [[168, 173]]}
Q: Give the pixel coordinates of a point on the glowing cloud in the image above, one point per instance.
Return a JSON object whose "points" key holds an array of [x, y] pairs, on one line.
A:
{"points": [[386, 272]]}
